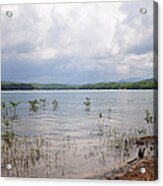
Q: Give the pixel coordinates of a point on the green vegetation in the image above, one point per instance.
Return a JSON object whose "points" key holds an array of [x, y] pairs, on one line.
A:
{"points": [[145, 84], [14, 105], [16, 86], [34, 105]]}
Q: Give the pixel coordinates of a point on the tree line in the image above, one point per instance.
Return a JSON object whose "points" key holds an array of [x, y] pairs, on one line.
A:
{"points": [[145, 84]]}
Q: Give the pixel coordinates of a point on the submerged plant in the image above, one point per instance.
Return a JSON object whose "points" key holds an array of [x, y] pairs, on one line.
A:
{"points": [[87, 103], [34, 105], [8, 137], [55, 104], [100, 115], [21, 152], [109, 113], [14, 106], [5, 109], [43, 101], [3, 105], [149, 120]]}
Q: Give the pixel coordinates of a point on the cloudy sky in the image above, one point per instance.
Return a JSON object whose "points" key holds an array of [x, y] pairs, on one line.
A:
{"points": [[77, 43]]}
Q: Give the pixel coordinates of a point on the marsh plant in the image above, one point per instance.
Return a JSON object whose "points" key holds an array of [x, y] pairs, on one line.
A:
{"points": [[54, 104], [34, 105], [44, 102], [23, 153], [20, 151], [9, 109], [87, 103], [14, 106], [149, 121], [8, 139], [4, 109]]}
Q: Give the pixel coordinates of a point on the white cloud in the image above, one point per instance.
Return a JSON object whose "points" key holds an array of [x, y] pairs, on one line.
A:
{"points": [[123, 68], [71, 29], [112, 38], [135, 63]]}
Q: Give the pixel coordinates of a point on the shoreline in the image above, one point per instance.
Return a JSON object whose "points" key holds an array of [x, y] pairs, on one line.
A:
{"points": [[132, 169], [133, 172], [128, 170]]}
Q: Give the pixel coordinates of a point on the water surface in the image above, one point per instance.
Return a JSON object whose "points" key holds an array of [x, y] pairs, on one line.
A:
{"points": [[82, 136]]}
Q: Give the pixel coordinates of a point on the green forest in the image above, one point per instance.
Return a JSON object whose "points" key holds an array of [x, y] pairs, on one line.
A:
{"points": [[145, 84]]}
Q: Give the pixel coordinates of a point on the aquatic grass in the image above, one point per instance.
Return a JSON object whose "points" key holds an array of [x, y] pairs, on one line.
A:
{"points": [[24, 152], [21, 152]]}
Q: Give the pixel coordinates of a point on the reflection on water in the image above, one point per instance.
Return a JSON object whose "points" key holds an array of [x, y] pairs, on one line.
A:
{"points": [[87, 132]]}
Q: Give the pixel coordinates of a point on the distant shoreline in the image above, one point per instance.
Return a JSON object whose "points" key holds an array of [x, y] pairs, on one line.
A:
{"points": [[145, 85]]}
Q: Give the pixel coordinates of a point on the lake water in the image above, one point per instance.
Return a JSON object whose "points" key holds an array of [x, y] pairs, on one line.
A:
{"points": [[78, 132]]}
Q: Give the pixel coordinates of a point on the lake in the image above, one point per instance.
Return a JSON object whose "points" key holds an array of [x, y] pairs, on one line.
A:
{"points": [[81, 138]]}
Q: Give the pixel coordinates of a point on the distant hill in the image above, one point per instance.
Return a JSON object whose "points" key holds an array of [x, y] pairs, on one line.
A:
{"points": [[134, 79], [145, 84]]}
